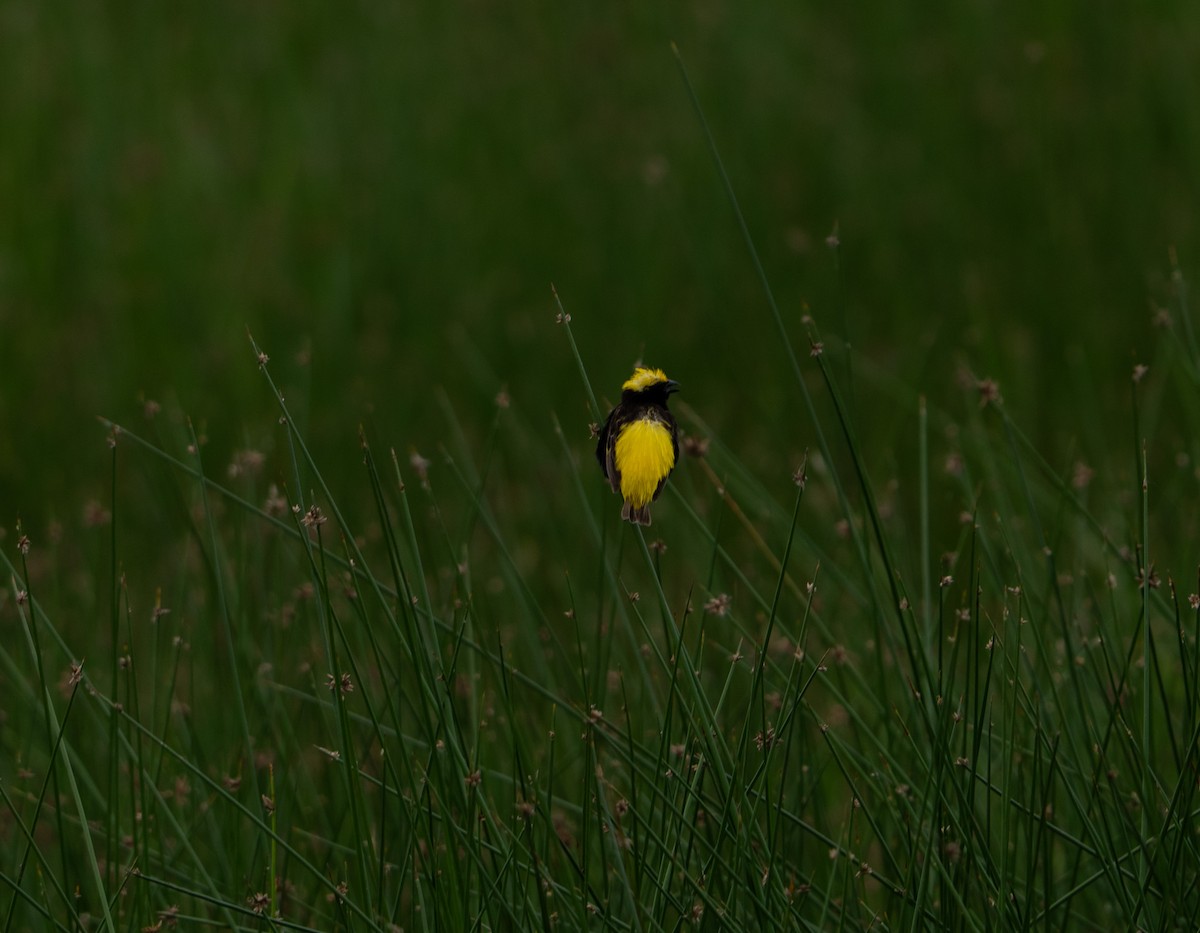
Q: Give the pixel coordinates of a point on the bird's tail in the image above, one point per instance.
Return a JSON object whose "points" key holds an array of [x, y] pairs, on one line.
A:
{"points": [[639, 515]]}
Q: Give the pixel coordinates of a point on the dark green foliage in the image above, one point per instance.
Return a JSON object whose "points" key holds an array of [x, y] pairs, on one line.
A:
{"points": [[912, 643]]}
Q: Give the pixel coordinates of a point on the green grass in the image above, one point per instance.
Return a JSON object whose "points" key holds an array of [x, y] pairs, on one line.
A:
{"points": [[485, 703], [460, 713], [345, 634]]}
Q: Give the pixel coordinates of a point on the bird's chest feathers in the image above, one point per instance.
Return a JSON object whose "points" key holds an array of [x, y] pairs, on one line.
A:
{"points": [[644, 455]]}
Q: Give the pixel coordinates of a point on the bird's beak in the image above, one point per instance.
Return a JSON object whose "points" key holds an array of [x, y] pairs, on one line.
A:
{"points": [[672, 386]]}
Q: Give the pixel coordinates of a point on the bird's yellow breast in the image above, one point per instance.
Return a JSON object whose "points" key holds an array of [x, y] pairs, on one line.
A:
{"points": [[644, 456]]}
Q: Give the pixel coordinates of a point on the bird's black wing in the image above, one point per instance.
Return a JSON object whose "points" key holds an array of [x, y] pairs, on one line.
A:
{"points": [[606, 446]]}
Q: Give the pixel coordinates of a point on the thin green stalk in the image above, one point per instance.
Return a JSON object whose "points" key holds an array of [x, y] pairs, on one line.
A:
{"points": [[112, 810], [226, 617], [31, 846], [1147, 740], [565, 319], [22, 597], [776, 317], [273, 869], [86, 833], [923, 508]]}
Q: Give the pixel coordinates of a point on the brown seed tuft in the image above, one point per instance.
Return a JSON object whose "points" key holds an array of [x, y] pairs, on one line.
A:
{"points": [[989, 392], [718, 605]]}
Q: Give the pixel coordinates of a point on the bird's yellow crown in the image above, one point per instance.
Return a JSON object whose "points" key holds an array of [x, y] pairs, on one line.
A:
{"points": [[644, 378]]}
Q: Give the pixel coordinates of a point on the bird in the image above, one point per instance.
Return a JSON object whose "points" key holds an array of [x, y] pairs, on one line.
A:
{"points": [[639, 443]]}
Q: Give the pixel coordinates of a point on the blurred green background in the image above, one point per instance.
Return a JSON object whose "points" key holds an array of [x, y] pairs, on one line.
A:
{"points": [[383, 194]]}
